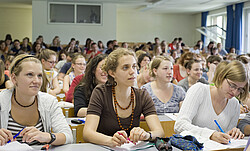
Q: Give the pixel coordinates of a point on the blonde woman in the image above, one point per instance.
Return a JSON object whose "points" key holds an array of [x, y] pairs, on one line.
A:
{"points": [[167, 96], [49, 60], [205, 103], [115, 108], [77, 68], [4, 79], [25, 107]]}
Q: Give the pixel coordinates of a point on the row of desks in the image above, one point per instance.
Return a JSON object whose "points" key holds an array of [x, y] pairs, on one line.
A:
{"points": [[166, 122]]}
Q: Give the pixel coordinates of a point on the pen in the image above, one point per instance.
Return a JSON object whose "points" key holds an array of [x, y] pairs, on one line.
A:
{"points": [[16, 135], [127, 138], [220, 128], [81, 121], [45, 147]]}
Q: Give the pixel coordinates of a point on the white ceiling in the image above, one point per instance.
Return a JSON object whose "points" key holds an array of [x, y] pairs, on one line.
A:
{"points": [[158, 6]]}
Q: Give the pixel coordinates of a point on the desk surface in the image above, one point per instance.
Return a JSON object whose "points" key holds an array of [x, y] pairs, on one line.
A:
{"points": [[88, 147]]}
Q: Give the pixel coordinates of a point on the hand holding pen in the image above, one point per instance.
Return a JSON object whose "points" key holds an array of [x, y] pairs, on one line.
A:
{"points": [[16, 135], [5, 136], [220, 137], [119, 138]]}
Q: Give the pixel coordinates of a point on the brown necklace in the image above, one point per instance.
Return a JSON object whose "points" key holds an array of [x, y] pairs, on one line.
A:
{"points": [[117, 104], [21, 104]]}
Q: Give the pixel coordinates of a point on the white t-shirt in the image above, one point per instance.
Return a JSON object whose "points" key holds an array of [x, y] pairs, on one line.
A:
{"points": [[197, 113]]}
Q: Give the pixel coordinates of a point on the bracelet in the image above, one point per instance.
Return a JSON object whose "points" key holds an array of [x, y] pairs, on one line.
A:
{"points": [[150, 136]]}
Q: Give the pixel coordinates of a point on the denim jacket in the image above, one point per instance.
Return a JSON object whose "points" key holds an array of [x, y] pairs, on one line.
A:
{"points": [[49, 110]]}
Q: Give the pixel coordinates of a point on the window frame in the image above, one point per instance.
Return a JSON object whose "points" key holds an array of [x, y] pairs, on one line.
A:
{"points": [[75, 13]]}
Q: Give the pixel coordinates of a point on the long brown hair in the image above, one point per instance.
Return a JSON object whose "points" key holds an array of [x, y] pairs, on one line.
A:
{"points": [[89, 82], [2, 77]]}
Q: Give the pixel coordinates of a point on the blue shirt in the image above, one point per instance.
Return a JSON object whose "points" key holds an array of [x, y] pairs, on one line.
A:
{"points": [[172, 105]]}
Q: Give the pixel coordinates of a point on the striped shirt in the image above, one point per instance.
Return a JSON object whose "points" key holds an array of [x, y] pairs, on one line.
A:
{"points": [[15, 127]]}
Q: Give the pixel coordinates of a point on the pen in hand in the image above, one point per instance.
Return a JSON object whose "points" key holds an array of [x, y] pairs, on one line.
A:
{"points": [[220, 128], [127, 138], [16, 135]]}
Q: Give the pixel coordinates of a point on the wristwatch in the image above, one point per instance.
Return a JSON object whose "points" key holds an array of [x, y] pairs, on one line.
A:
{"points": [[53, 138]]}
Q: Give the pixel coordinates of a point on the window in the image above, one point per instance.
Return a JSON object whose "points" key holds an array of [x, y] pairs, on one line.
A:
{"points": [[62, 13], [219, 25], [246, 33], [72, 13]]}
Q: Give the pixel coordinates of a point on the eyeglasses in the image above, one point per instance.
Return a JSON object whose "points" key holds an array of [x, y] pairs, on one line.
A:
{"points": [[52, 62], [81, 64], [234, 87]]}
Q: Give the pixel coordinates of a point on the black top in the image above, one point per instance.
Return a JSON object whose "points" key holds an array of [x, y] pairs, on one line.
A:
{"points": [[2, 86], [65, 67], [80, 100]]}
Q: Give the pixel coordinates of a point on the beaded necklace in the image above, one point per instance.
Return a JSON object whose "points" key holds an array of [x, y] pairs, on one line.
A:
{"points": [[117, 104]]}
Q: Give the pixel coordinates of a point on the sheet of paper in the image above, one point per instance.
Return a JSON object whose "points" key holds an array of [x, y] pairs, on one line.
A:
{"points": [[242, 116], [212, 145], [15, 146], [130, 146], [173, 116]]}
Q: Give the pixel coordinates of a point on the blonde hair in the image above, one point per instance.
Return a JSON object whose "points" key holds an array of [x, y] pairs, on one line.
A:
{"points": [[234, 71], [111, 62], [76, 56], [16, 67], [155, 63], [139, 52], [2, 77], [45, 54]]}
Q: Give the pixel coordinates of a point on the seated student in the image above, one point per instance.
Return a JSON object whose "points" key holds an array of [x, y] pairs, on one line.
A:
{"points": [[244, 124], [94, 75], [66, 66], [179, 69], [7, 63], [212, 62], [70, 94], [143, 76], [167, 97], [62, 59], [77, 68], [4, 79], [25, 107], [143, 59], [194, 71], [48, 60], [115, 108], [205, 103]]}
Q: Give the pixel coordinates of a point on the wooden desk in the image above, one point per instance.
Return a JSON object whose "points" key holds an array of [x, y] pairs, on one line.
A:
{"points": [[68, 112], [77, 130], [166, 123]]}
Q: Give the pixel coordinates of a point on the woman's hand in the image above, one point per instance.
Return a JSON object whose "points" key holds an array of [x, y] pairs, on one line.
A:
{"points": [[243, 109], [31, 134], [119, 138], [236, 133], [220, 137], [138, 134], [5, 136]]}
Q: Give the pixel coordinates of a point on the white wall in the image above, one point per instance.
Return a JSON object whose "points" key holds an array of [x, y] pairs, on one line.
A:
{"points": [[16, 21], [102, 32], [134, 26]]}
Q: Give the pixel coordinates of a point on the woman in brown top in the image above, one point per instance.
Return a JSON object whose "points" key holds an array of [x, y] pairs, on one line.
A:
{"points": [[113, 115]]}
